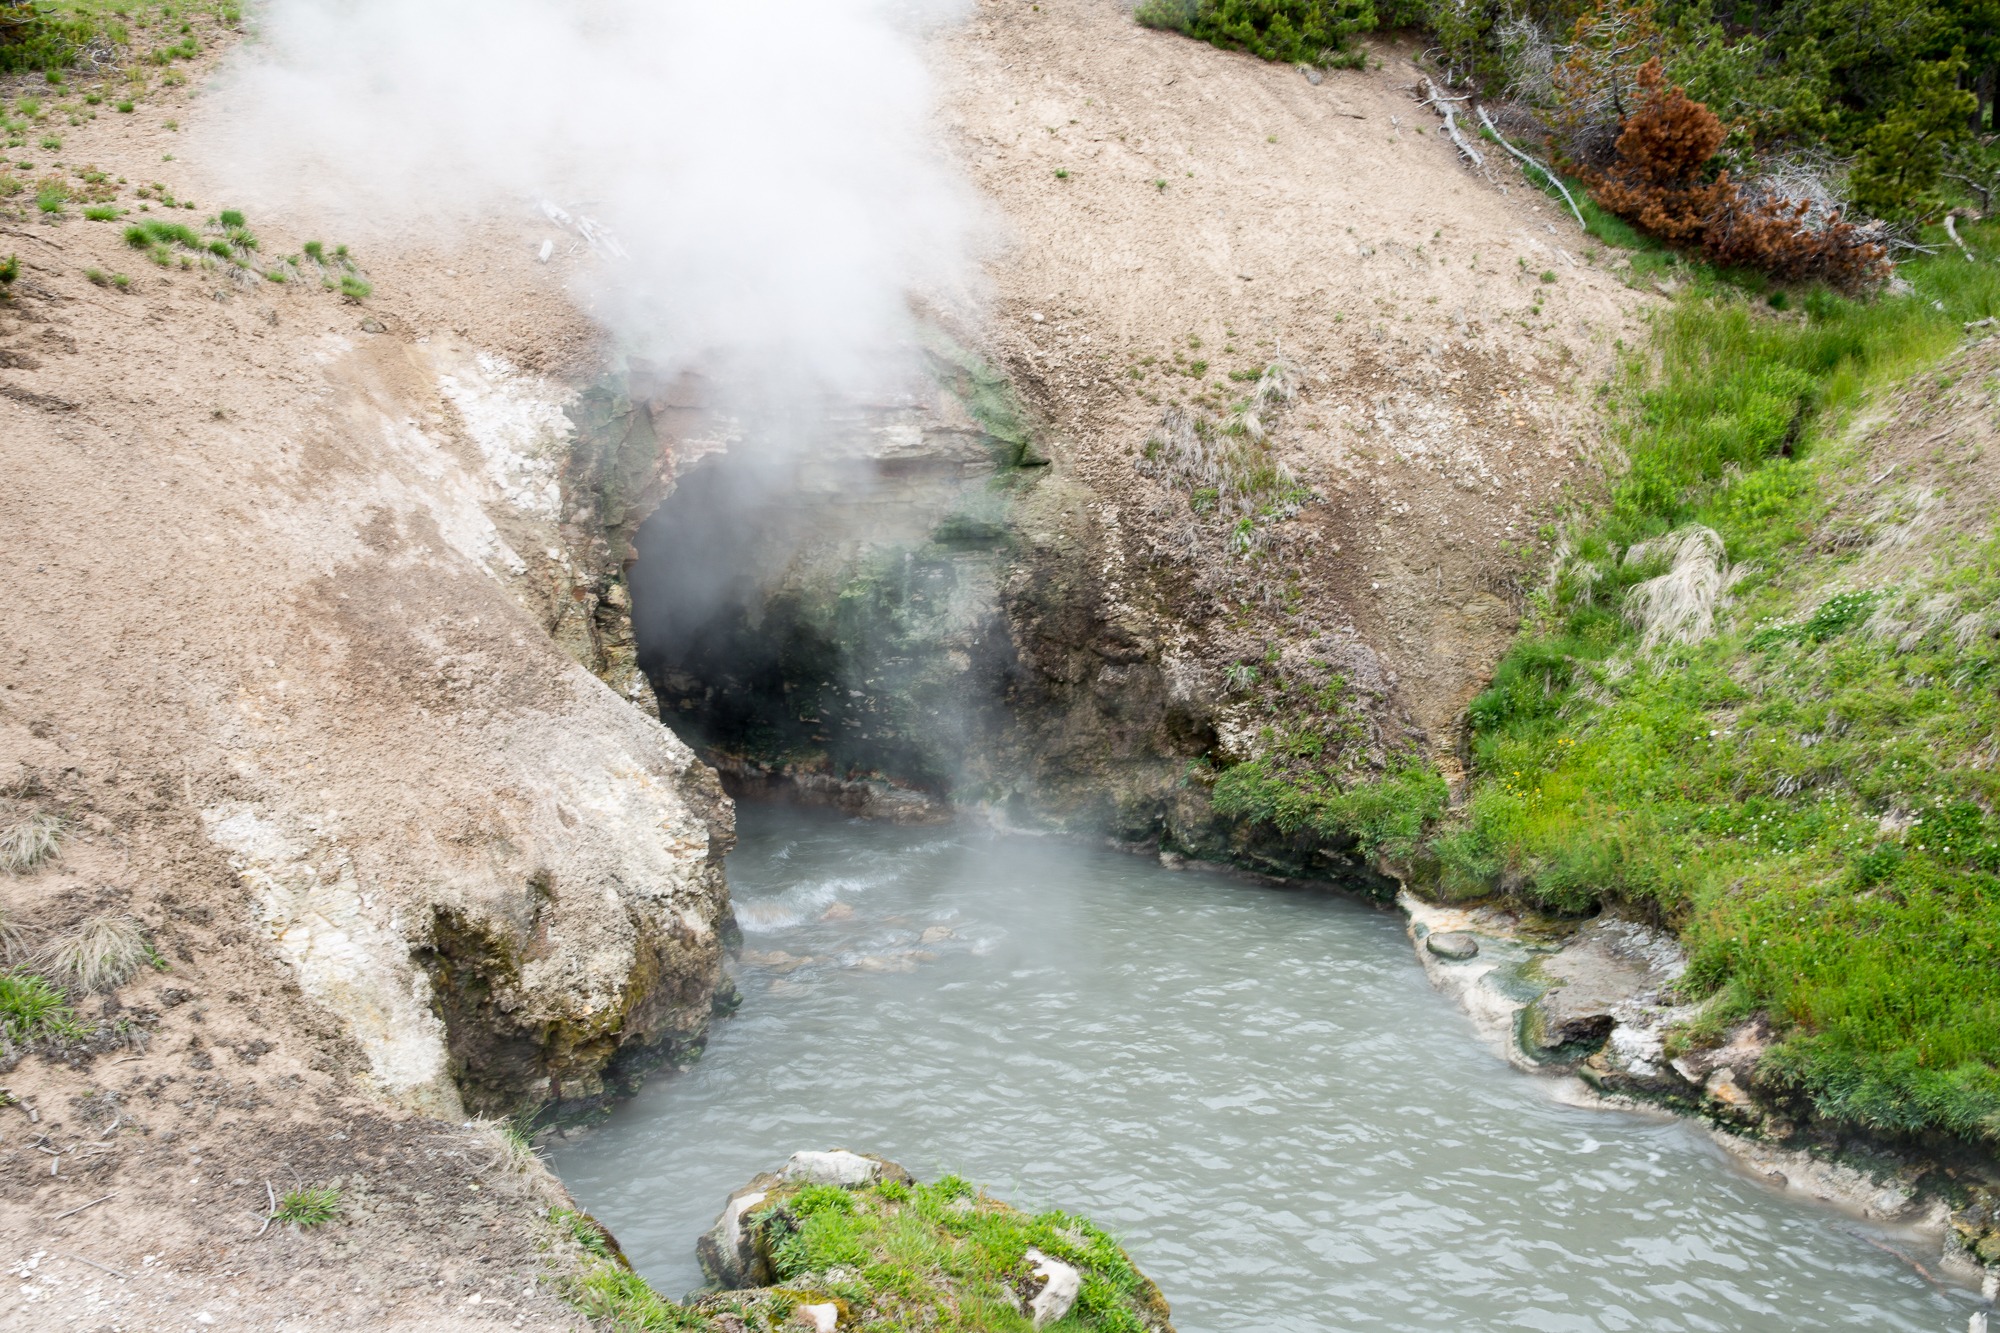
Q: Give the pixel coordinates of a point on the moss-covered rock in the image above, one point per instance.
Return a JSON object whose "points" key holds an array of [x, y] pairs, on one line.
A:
{"points": [[887, 1252]]}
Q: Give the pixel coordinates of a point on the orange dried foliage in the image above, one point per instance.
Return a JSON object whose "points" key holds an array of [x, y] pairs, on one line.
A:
{"points": [[1664, 149]]}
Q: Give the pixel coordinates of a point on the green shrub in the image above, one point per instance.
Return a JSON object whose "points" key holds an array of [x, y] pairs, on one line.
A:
{"points": [[1313, 32]]}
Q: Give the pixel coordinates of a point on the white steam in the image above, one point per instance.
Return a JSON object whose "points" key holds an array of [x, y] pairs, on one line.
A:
{"points": [[769, 166]]}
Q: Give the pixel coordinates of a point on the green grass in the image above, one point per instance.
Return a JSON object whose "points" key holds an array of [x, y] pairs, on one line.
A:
{"points": [[34, 1009], [937, 1250], [1749, 790], [151, 233], [1313, 32], [308, 1207], [157, 32]]}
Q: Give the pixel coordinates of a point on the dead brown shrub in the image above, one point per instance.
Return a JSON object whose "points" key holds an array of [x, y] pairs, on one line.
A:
{"points": [[1659, 182]]}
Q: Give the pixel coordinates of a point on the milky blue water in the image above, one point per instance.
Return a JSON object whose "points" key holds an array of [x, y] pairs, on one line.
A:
{"points": [[1256, 1089]]}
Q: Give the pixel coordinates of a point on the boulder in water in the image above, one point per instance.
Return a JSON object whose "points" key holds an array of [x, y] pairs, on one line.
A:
{"points": [[1456, 945]]}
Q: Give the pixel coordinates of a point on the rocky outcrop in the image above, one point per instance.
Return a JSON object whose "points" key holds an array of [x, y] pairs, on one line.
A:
{"points": [[1598, 1000]]}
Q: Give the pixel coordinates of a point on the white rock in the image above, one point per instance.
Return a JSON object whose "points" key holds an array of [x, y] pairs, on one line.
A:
{"points": [[838, 1167], [821, 1318], [1060, 1284]]}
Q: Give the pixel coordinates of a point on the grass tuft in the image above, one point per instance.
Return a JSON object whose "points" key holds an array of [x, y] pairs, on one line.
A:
{"points": [[99, 955], [30, 843], [33, 1009], [308, 1208]]}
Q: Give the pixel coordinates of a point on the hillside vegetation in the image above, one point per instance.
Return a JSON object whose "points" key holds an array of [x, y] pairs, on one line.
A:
{"points": [[1759, 698], [1832, 111]]}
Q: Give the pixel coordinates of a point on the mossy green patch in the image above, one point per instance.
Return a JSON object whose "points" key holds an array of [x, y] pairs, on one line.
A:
{"points": [[941, 1257], [988, 396]]}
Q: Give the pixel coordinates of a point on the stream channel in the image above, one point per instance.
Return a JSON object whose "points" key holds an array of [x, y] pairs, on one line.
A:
{"points": [[1255, 1088]]}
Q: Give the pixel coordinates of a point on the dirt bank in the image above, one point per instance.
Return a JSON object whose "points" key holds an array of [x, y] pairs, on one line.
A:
{"points": [[283, 570], [1170, 206]]}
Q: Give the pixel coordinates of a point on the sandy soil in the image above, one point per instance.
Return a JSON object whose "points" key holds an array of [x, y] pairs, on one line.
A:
{"points": [[1446, 408], [278, 583]]}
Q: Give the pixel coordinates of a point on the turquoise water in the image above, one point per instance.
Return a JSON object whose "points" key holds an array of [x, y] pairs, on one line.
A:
{"points": [[1255, 1088]]}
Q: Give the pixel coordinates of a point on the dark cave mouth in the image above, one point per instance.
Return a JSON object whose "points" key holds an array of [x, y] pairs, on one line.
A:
{"points": [[825, 621]]}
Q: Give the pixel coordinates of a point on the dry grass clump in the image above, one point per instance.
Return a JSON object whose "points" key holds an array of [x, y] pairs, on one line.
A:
{"points": [[13, 938], [1679, 605], [513, 1154], [29, 843], [100, 954], [1227, 466]]}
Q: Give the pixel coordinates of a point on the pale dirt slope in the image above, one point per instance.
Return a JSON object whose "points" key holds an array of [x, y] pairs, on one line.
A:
{"points": [[1334, 224]]}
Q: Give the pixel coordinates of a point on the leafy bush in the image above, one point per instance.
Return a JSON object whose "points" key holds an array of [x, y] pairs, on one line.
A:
{"points": [[1310, 32]]}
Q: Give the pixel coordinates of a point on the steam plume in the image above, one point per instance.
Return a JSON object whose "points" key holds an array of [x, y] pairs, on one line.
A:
{"points": [[767, 165]]}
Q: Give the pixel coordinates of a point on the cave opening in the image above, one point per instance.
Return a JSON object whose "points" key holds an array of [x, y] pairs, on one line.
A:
{"points": [[824, 618]]}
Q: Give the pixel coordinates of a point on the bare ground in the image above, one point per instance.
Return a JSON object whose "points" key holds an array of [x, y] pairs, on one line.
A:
{"points": [[276, 620], [1446, 410]]}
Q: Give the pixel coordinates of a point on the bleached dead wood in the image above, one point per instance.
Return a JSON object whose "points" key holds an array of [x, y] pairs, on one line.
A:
{"points": [[1443, 105], [1553, 179]]}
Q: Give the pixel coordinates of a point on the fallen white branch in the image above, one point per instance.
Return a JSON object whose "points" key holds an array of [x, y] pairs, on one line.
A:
{"points": [[1443, 104], [1951, 230], [1553, 179]]}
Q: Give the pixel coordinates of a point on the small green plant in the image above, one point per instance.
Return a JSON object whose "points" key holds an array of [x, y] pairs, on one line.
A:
{"points": [[10, 270], [97, 277], [143, 235], [121, 282], [1548, 275], [315, 251], [1062, 173], [35, 840], [126, 107], [51, 143], [51, 196], [32, 1009], [230, 218], [1160, 185], [354, 289], [101, 213], [307, 1208]]}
